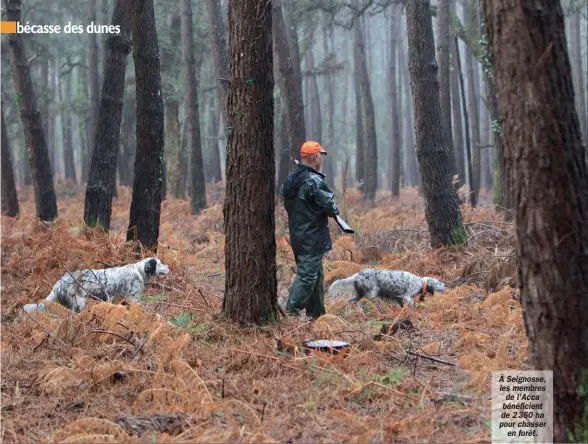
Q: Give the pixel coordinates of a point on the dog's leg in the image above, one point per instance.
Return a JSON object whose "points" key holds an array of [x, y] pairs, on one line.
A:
{"points": [[373, 296]]}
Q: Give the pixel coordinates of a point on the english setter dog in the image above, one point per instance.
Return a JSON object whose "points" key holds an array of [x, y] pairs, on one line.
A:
{"points": [[400, 287], [74, 289]]}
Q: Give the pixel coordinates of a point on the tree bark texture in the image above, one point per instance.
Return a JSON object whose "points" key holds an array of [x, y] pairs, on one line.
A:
{"points": [[45, 200], [371, 147], [126, 158], [290, 85], [65, 94], [191, 80], [547, 177], [411, 170], [441, 204], [94, 85], [218, 40], [474, 126], [149, 163], [102, 176], [9, 198], [214, 170], [173, 145], [249, 209], [577, 71], [329, 169], [395, 140], [444, 55]]}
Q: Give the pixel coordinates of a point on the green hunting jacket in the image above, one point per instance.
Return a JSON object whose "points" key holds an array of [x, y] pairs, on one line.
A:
{"points": [[309, 203]]}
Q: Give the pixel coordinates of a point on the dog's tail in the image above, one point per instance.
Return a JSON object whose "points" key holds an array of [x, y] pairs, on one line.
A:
{"points": [[29, 308]]}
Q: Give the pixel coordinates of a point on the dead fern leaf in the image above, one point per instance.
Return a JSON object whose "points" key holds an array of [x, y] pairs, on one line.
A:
{"points": [[91, 427]]}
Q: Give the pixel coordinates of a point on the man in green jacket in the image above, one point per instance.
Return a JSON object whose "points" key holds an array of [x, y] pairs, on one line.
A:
{"points": [[309, 203]]}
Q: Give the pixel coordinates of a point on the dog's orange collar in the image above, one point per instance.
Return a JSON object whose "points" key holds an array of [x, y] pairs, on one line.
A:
{"points": [[424, 286]]}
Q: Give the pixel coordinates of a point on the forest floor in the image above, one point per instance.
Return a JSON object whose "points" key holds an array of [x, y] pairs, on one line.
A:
{"points": [[117, 374]]}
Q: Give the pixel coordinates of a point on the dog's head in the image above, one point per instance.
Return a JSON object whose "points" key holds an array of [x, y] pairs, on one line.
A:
{"points": [[154, 266], [434, 285]]}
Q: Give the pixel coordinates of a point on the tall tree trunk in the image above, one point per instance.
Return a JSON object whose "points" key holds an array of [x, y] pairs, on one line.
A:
{"points": [[444, 55], [249, 209], [314, 100], [457, 121], [45, 200], [441, 210], [468, 141], [52, 121], [191, 79], [359, 113], [394, 150], [65, 96], [218, 40], [410, 160], [44, 106], [486, 178], [148, 175], [330, 90], [102, 176], [284, 153], [474, 126], [290, 84], [214, 154], [173, 147], [577, 74], [126, 158], [94, 85], [371, 149], [547, 178], [9, 198]]}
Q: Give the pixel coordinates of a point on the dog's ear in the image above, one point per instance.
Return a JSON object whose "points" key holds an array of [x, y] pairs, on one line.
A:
{"points": [[150, 267]]}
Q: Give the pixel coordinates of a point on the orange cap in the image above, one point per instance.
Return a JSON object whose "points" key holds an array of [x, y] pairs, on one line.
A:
{"points": [[311, 147]]}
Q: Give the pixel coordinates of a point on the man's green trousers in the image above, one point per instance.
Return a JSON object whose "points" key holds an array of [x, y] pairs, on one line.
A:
{"points": [[307, 289]]}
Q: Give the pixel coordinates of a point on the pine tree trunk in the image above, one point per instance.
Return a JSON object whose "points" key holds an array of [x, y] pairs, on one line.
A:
{"points": [[547, 179], [411, 171], [191, 79], [329, 169], [394, 153], [457, 121], [577, 72], [102, 177], [173, 146], [52, 121], [94, 85], [65, 96], [290, 85], [249, 209], [214, 153], [126, 158], [44, 106], [45, 200], [441, 210], [359, 127], [9, 198], [474, 127], [218, 40], [443, 56], [371, 148], [148, 173]]}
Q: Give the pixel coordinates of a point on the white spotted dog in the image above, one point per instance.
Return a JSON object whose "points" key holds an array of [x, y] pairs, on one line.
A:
{"points": [[399, 287], [74, 289]]}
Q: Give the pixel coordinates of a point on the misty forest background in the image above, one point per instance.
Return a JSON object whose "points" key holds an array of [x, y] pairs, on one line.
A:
{"points": [[344, 65]]}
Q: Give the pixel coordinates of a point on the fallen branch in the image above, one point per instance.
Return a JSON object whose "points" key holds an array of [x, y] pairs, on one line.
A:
{"points": [[203, 297], [106, 332], [440, 361]]}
